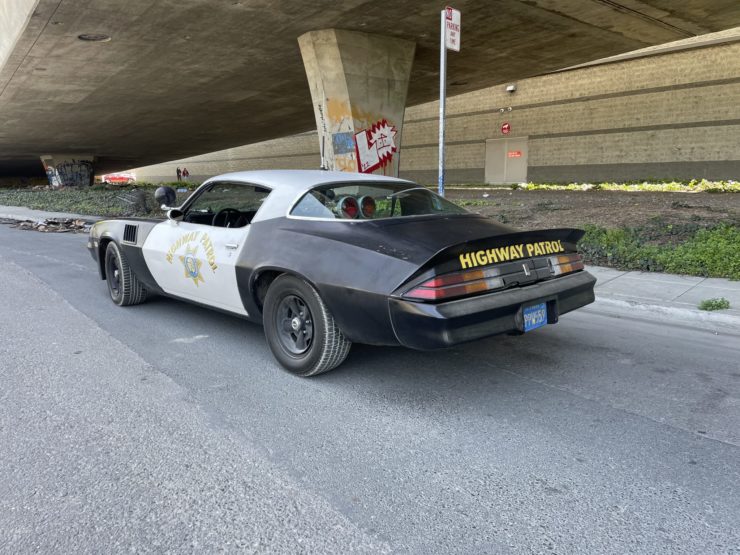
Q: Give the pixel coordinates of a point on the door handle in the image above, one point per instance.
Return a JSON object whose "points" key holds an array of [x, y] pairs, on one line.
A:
{"points": [[232, 246]]}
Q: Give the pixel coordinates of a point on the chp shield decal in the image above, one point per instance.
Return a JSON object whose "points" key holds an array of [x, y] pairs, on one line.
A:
{"points": [[192, 265]]}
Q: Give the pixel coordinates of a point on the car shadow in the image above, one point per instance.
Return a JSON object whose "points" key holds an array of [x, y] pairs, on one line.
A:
{"points": [[465, 373]]}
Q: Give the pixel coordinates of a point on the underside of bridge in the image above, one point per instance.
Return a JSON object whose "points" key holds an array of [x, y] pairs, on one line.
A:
{"points": [[165, 79]]}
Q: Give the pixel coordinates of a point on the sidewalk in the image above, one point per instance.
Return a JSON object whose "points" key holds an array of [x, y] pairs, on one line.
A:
{"points": [[21, 213], [666, 296], [665, 289]]}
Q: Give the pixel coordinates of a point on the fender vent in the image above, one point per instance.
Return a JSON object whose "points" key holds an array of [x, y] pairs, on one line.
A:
{"points": [[129, 233]]}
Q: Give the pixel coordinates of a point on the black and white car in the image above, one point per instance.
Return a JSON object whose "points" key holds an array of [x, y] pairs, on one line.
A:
{"points": [[325, 259]]}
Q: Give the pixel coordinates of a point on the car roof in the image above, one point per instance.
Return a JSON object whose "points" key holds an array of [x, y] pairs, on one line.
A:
{"points": [[289, 185], [300, 180]]}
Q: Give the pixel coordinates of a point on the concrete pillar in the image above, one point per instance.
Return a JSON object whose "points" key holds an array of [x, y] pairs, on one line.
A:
{"points": [[358, 86], [69, 170]]}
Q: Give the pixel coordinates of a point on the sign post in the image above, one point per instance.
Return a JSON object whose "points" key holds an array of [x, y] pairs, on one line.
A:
{"points": [[449, 38]]}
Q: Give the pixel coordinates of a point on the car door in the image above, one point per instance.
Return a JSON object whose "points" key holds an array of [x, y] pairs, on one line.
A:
{"points": [[196, 260]]}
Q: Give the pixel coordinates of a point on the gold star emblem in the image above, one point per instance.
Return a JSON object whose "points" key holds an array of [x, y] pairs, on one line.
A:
{"points": [[192, 265]]}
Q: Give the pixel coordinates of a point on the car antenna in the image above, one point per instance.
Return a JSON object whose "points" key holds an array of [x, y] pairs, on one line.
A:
{"points": [[323, 165]]}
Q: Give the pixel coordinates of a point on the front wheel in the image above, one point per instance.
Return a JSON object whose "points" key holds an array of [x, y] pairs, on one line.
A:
{"points": [[124, 288], [300, 331]]}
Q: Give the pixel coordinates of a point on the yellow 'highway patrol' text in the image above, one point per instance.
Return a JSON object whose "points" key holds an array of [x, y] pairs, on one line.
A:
{"points": [[509, 252]]}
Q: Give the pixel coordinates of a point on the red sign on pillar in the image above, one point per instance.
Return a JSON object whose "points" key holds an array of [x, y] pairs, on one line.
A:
{"points": [[506, 128]]}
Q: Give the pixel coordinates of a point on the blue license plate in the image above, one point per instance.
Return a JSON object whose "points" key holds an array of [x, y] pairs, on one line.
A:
{"points": [[535, 316]]}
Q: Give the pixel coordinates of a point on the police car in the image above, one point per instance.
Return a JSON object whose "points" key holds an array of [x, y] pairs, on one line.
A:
{"points": [[324, 259]]}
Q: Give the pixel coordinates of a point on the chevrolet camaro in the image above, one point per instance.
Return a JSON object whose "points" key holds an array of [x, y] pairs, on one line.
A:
{"points": [[324, 259]]}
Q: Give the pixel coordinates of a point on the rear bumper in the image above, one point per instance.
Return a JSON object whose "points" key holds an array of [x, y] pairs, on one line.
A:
{"points": [[434, 326]]}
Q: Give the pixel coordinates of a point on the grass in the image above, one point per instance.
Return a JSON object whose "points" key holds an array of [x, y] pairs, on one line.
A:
{"points": [[651, 185], [719, 303], [110, 201], [711, 252], [693, 186]]}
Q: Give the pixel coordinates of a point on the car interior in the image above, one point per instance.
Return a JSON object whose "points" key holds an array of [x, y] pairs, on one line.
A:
{"points": [[226, 217], [226, 205]]}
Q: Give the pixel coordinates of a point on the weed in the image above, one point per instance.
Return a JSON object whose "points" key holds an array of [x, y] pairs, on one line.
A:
{"points": [[547, 205], [475, 202], [719, 303]]}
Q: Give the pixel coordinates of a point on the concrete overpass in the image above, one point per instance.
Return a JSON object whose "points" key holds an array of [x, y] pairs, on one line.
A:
{"points": [[175, 79]]}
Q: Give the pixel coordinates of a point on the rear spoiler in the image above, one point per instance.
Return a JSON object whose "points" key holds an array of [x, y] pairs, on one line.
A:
{"points": [[507, 247]]}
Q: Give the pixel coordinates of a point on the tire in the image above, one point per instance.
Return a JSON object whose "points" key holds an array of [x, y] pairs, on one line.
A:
{"points": [[124, 288], [301, 333]]}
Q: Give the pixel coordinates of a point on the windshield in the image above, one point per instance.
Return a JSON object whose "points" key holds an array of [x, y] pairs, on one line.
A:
{"points": [[371, 201]]}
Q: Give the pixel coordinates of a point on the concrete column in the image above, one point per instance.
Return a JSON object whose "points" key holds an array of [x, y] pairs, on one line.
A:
{"points": [[358, 86], [69, 170]]}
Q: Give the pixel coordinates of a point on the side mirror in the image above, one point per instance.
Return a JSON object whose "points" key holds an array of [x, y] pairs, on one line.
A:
{"points": [[173, 213], [165, 196]]}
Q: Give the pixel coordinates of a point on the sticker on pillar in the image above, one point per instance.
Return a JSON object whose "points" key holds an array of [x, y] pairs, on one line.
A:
{"points": [[343, 143], [375, 146]]}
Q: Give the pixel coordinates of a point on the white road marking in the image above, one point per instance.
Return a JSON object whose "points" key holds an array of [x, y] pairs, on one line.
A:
{"points": [[189, 339]]}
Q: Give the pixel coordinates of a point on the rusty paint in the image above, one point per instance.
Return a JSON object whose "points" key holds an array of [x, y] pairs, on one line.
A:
{"points": [[345, 164], [337, 110]]}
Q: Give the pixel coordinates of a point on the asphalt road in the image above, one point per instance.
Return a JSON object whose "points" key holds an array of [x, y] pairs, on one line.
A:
{"points": [[168, 427]]}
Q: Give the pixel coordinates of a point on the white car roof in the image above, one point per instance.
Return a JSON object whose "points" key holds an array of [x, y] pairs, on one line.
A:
{"points": [[288, 185], [299, 180]]}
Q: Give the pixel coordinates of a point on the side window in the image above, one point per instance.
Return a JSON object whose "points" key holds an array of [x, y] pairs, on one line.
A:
{"points": [[227, 204]]}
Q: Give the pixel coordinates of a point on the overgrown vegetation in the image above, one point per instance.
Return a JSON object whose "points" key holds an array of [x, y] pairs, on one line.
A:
{"points": [[693, 186], [709, 252], [719, 303], [696, 235], [92, 201]]}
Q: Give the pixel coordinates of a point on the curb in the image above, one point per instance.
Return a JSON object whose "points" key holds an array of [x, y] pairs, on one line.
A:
{"points": [[712, 321], [26, 214]]}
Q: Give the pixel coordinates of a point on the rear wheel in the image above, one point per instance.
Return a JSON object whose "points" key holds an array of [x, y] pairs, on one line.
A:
{"points": [[300, 331], [124, 288]]}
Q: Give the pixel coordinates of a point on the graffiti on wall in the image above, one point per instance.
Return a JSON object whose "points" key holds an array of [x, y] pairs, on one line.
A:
{"points": [[53, 178], [375, 146], [69, 173], [349, 149]]}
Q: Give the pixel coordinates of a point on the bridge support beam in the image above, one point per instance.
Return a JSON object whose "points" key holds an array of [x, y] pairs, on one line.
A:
{"points": [[358, 86], [68, 170]]}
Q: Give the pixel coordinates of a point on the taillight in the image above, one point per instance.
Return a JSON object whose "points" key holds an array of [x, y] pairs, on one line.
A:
{"points": [[460, 284], [457, 284], [565, 263]]}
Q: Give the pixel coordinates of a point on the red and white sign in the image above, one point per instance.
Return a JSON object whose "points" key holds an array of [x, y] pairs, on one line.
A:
{"points": [[452, 29], [120, 178], [515, 154], [506, 128], [375, 146]]}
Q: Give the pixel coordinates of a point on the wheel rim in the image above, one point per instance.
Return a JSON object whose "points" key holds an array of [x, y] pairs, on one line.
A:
{"points": [[113, 272], [294, 325]]}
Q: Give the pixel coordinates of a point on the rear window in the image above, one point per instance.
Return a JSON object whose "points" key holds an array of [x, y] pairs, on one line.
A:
{"points": [[371, 201]]}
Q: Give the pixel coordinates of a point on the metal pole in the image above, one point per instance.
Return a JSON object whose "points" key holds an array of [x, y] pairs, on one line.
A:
{"points": [[442, 98]]}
